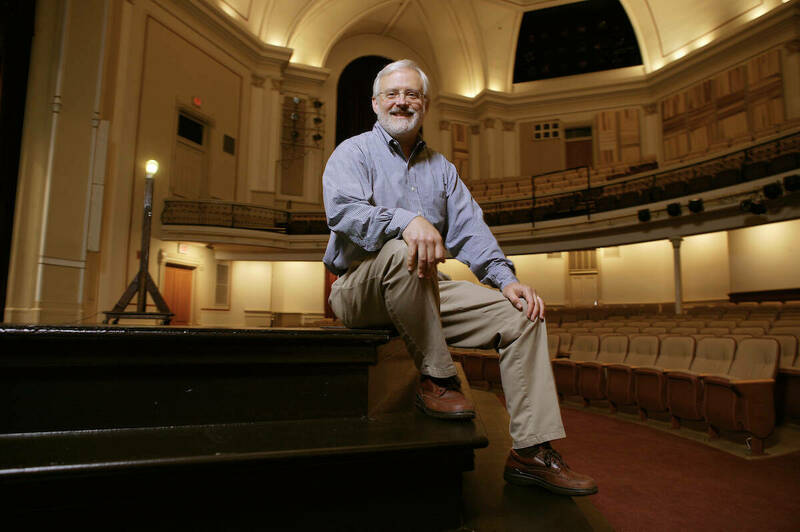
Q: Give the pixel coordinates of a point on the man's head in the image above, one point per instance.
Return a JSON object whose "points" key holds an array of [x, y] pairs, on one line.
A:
{"points": [[400, 98]]}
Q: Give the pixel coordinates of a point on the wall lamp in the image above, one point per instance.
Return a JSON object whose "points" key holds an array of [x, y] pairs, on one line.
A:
{"points": [[791, 182], [773, 190], [644, 215]]}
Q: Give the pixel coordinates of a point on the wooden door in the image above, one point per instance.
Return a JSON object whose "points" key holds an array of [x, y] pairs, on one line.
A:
{"points": [[178, 293]]}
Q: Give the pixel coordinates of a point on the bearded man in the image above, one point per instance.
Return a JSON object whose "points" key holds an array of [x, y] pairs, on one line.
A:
{"points": [[395, 207]]}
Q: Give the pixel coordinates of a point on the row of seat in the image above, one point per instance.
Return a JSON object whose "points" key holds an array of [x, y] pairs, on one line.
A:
{"points": [[569, 319], [684, 322], [689, 331], [726, 382]]}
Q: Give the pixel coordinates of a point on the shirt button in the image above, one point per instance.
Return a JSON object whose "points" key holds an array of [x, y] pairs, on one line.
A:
{"points": [[413, 189], [419, 212]]}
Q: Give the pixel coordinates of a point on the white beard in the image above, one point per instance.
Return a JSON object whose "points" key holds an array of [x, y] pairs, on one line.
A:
{"points": [[398, 126]]}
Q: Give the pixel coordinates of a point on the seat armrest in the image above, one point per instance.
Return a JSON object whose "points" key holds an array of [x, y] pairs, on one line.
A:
{"points": [[563, 362], [792, 372], [682, 375], [721, 381], [753, 382], [641, 370]]}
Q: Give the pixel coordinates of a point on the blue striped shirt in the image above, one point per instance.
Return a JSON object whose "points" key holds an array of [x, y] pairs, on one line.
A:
{"points": [[371, 193]]}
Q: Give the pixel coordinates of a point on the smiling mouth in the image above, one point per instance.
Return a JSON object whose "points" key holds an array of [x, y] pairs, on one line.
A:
{"points": [[401, 113]]}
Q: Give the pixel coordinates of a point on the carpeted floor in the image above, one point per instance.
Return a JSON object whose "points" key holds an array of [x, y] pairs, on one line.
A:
{"points": [[653, 480]]}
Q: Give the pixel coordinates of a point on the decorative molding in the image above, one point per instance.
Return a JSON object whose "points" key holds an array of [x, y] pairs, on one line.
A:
{"points": [[56, 105], [508, 126], [793, 46], [259, 52], [650, 108], [257, 81], [444, 125], [306, 73], [275, 83], [488, 123], [475, 129], [67, 263]]}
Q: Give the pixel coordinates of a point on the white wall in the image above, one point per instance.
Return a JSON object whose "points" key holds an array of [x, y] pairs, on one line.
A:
{"points": [[642, 273], [298, 287], [705, 267], [546, 275], [765, 257]]}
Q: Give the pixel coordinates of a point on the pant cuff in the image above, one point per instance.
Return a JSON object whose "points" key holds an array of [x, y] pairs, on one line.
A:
{"points": [[540, 438], [439, 373]]}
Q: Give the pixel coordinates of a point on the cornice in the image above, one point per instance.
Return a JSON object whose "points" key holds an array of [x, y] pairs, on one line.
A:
{"points": [[298, 72], [263, 56], [784, 19], [630, 84]]}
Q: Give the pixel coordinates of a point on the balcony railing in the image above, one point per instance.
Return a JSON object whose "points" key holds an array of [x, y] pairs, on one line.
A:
{"points": [[618, 191]]}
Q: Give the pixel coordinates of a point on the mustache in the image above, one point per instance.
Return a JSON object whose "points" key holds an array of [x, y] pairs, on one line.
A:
{"points": [[409, 112]]}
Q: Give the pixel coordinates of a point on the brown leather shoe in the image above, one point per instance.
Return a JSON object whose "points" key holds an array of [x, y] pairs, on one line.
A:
{"points": [[547, 469], [442, 398]]}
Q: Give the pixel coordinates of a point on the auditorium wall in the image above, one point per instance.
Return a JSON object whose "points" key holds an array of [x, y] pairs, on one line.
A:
{"points": [[298, 287], [705, 271], [639, 273], [765, 257]]}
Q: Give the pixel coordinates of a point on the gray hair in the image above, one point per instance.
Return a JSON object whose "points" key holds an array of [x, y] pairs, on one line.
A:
{"points": [[402, 64]]}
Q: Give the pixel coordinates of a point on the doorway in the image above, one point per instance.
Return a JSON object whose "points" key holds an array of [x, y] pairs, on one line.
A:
{"points": [[178, 292]]}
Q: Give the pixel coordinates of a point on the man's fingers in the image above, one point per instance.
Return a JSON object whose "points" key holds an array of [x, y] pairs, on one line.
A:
{"points": [[412, 257], [541, 308], [440, 252], [422, 259]]}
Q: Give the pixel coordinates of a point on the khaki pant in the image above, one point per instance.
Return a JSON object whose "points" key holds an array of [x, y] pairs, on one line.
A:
{"points": [[431, 314]]}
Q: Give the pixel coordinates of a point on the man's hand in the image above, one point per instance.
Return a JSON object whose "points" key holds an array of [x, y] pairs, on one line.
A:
{"points": [[515, 292], [425, 247]]}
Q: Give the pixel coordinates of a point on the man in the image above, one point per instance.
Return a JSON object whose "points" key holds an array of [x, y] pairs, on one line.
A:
{"points": [[394, 207]]}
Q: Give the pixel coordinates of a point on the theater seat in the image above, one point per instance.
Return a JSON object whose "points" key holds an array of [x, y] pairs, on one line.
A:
{"points": [[564, 343], [642, 351], [752, 331], [584, 347], [744, 398], [650, 383], [553, 342], [592, 373], [685, 388]]}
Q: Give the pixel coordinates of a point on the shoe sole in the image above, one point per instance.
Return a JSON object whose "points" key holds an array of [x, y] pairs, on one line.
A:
{"points": [[464, 415], [521, 478]]}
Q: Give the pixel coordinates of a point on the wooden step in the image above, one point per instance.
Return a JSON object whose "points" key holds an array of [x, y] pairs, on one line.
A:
{"points": [[85, 378], [223, 429]]}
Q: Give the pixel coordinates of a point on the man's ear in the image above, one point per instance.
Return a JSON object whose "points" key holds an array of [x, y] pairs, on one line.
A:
{"points": [[375, 104]]}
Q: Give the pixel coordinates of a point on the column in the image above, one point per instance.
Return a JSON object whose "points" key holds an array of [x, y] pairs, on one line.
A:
{"points": [[510, 143], [651, 133], [272, 136], [445, 139], [676, 249], [256, 174], [791, 78], [475, 153], [48, 265]]}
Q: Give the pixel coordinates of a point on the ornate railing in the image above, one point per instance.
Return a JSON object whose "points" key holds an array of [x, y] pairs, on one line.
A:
{"points": [[754, 162], [617, 191]]}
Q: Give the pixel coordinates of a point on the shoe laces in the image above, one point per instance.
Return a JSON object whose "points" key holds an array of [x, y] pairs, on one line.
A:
{"points": [[550, 456], [446, 383]]}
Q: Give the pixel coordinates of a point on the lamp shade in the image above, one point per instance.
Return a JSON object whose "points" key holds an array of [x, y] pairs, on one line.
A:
{"points": [[151, 167]]}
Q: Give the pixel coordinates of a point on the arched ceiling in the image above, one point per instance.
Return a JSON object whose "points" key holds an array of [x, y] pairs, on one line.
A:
{"points": [[471, 43]]}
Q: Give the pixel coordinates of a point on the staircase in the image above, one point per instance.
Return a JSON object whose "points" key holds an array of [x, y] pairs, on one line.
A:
{"points": [[222, 429]]}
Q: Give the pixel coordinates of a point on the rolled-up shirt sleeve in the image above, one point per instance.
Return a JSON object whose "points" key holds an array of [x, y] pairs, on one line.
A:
{"points": [[469, 239], [349, 204]]}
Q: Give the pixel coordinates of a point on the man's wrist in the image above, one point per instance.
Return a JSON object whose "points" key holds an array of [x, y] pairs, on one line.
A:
{"points": [[400, 221]]}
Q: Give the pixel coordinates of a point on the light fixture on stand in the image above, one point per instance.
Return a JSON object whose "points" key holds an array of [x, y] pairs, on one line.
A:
{"points": [[143, 283]]}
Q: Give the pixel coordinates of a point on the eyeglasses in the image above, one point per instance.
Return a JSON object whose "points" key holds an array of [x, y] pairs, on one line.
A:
{"points": [[395, 94]]}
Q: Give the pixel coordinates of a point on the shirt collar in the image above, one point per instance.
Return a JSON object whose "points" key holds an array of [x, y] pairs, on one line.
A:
{"points": [[392, 142]]}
